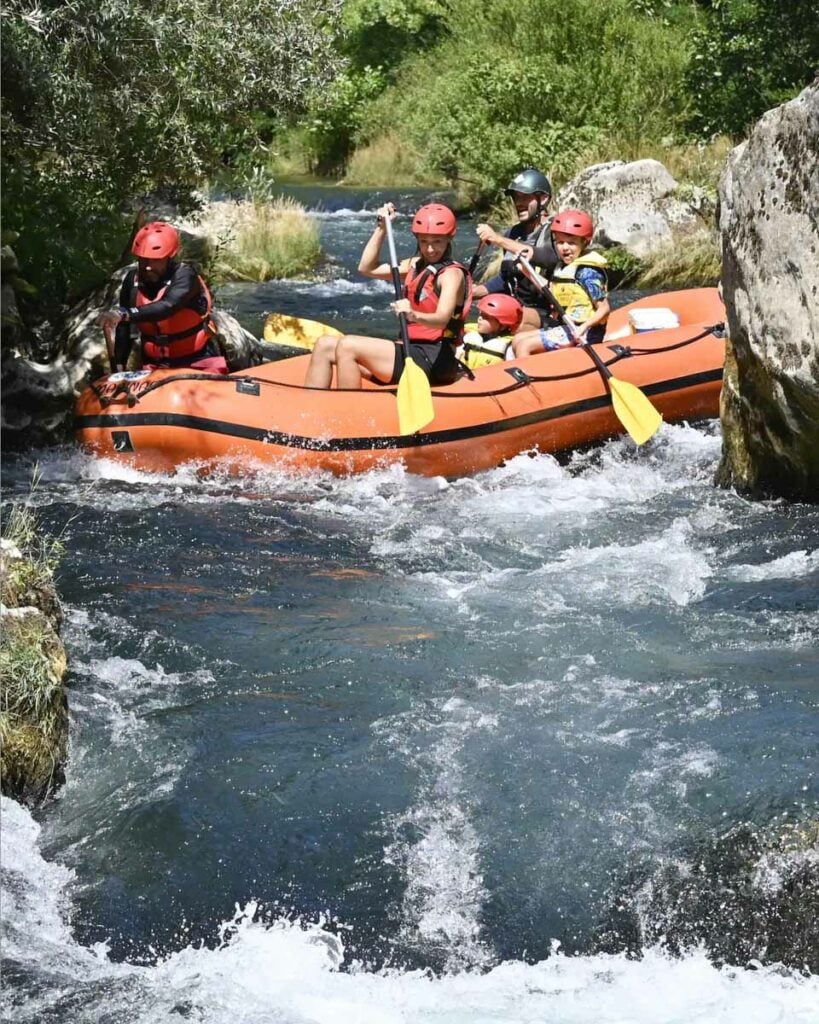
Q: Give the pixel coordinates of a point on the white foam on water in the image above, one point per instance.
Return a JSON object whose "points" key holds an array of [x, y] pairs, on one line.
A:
{"points": [[289, 973], [344, 286], [440, 860], [791, 566], [344, 213], [666, 567]]}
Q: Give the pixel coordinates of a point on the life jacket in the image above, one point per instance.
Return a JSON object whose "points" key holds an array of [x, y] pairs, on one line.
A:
{"points": [[479, 351], [182, 335], [572, 294], [422, 289]]}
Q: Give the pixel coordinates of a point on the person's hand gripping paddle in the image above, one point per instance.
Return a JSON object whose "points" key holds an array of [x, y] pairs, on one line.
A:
{"points": [[415, 408], [633, 409]]}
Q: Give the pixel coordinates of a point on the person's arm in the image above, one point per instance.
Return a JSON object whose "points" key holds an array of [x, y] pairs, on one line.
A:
{"points": [[452, 284], [112, 320], [595, 283], [489, 236], [370, 264], [601, 315], [182, 288]]}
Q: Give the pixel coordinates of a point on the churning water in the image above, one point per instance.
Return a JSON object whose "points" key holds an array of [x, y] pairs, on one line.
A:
{"points": [[534, 746]]}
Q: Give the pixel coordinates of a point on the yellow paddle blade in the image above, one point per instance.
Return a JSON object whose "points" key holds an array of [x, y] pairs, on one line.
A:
{"points": [[282, 329], [634, 410], [415, 409]]}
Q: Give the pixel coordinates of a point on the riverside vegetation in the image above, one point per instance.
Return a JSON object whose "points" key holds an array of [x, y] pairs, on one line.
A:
{"points": [[33, 705], [426, 92]]}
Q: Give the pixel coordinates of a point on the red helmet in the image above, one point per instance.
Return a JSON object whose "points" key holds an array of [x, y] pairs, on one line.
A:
{"points": [[156, 241], [434, 219], [573, 222], [506, 310]]}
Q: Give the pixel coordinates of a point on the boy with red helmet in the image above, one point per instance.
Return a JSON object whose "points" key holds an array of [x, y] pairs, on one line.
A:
{"points": [[499, 316], [579, 284], [170, 305], [436, 297]]}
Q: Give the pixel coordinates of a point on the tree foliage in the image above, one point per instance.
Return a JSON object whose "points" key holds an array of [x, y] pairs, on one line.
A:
{"points": [[104, 99], [535, 82], [749, 56]]}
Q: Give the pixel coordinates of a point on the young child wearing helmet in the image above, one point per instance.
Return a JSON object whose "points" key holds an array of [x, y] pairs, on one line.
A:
{"points": [[579, 284], [436, 298], [499, 316]]}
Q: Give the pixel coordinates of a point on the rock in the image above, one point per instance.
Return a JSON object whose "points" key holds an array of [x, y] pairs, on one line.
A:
{"points": [[33, 664], [8, 260], [769, 195], [241, 348], [635, 205]]}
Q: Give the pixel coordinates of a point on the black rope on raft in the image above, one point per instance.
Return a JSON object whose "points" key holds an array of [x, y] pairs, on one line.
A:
{"points": [[620, 352]]}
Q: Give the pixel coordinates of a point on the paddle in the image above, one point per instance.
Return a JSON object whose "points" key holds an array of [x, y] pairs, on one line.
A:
{"points": [[633, 409], [415, 409], [109, 344], [473, 263], [295, 332]]}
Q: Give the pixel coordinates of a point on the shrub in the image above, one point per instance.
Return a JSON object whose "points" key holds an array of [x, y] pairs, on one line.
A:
{"points": [[260, 240], [749, 56], [534, 83], [104, 101]]}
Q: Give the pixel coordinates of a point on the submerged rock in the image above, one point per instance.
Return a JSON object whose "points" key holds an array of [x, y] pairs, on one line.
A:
{"points": [[635, 205], [770, 244]]}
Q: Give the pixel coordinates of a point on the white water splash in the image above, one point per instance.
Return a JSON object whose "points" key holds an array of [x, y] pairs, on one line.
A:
{"points": [[288, 973]]}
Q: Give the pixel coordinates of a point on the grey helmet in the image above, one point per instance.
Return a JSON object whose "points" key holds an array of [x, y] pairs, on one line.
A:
{"points": [[529, 181]]}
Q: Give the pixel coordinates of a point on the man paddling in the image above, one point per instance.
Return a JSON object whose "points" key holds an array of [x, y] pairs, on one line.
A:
{"points": [[170, 305], [531, 193]]}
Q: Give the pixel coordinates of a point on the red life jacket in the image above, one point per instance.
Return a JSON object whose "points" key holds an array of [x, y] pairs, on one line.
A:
{"points": [[422, 289], [181, 335]]}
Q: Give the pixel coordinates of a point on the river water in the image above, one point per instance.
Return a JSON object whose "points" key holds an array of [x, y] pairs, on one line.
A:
{"points": [[534, 746]]}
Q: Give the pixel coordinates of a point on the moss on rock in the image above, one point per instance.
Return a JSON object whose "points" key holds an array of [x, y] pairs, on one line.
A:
{"points": [[33, 664]]}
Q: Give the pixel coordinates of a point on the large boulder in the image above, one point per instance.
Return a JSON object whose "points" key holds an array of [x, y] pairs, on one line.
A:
{"points": [[636, 205], [769, 197]]}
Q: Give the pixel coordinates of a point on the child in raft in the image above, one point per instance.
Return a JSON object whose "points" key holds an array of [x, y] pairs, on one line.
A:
{"points": [[437, 295], [579, 284], [499, 316]]}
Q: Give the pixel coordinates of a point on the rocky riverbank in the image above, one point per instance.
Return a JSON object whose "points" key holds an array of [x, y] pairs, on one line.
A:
{"points": [[33, 663]]}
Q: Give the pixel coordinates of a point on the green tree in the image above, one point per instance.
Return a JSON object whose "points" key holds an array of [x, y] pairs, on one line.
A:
{"points": [[749, 56], [106, 99]]}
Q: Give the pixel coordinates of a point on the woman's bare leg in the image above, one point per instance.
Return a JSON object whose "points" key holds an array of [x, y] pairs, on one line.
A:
{"points": [[322, 359], [358, 357]]}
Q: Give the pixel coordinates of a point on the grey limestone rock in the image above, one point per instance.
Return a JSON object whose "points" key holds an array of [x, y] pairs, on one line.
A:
{"points": [[769, 223], [635, 205]]}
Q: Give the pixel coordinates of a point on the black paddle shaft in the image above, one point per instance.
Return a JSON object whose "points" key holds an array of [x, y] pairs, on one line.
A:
{"points": [[396, 284], [534, 277]]}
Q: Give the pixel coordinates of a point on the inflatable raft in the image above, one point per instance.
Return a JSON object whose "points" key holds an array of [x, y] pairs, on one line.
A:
{"points": [[550, 402]]}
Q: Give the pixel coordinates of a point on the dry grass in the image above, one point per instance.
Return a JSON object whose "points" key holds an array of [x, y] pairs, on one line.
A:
{"points": [[691, 262], [388, 159], [699, 164], [257, 240]]}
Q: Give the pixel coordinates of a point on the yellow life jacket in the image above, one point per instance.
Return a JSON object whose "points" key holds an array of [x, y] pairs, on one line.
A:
{"points": [[479, 351], [570, 293]]}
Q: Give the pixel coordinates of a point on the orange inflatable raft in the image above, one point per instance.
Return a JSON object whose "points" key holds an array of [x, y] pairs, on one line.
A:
{"points": [[550, 402]]}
